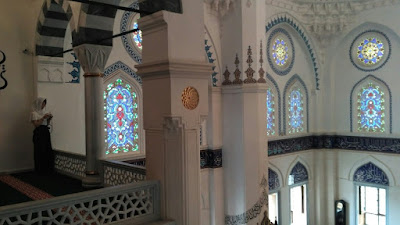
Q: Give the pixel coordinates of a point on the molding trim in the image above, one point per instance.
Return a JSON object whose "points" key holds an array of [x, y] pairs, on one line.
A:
{"points": [[367, 144], [286, 19], [372, 77], [177, 69], [125, 22], [121, 66]]}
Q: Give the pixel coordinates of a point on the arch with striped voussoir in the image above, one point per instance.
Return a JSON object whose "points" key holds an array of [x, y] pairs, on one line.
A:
{"points": [[52, 25], [96, 24]]}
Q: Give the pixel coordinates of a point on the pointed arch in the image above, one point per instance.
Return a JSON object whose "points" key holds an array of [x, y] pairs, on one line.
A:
{"points": [[96, 22], [119, 74], [295, 80], [367, 161], [353, 96], [270, 80], [286, 18], [298, 172], [51, 27], [275, 181]]}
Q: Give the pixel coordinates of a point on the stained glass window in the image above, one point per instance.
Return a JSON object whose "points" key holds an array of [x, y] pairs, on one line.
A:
{"points": [[280, 52], [370, 51], [296, 111], [137, 36], [371, 109], [270, 113], [121, 117]]}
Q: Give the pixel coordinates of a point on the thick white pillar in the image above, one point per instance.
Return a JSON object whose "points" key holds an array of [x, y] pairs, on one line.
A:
{"points": [[93, 59], [175, 98]]}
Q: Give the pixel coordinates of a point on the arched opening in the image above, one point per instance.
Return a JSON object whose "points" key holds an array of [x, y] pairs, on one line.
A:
{"points": [[298, 181]]}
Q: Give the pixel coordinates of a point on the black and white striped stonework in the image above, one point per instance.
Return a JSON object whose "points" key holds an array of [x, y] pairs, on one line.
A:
{"points": [[53, 22], [96, 23]]}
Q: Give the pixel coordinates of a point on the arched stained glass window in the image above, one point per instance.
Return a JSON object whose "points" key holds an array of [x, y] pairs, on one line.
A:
{"points": [[137, 36], [296, 111], [121, 117], [270, 113], [371, 109]]}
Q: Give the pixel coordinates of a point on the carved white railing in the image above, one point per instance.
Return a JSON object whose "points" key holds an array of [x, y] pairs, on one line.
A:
{"points": [[117, 173], [72, 165], [135, 203]]}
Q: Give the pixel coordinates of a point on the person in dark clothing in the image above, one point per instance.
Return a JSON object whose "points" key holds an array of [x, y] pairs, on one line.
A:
{"points": [[43, 152]]}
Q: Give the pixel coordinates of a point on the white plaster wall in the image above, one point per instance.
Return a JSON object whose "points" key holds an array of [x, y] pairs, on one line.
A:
{"points": [[66, 102], [18, 23], [284, 164], [348, 161]]}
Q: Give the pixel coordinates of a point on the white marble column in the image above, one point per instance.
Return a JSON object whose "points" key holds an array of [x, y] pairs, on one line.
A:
{"points": [[93, 59], [173, 63], [245, 148]]}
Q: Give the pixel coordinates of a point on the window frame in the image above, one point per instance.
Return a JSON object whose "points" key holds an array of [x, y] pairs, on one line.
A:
{"points": [[307, 207], [357, 199], [136, 87]]}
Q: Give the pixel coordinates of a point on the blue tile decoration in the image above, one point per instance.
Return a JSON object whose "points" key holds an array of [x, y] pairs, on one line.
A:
{"points": [[298, 174], [370, 173], [354, 48], [273, 180], [290, 81], [210, 158], [291, 47], [372, 77], [122, 66], [253, 212], [357, 143], [3, 70], [211, 60], [269, 77], [76, 70], [125, 21], [285, 19]]}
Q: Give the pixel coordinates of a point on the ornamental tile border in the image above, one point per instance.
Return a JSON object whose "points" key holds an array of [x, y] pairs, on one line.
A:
{"points": [[270, 62], [357, 143], [125, 20], [210, 158], [284, 101], [390, 100], [122, 66], [269, 77], [291, 22], [211, 60], [382, 63]]}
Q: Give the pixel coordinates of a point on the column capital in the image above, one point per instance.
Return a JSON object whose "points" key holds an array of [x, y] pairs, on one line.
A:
{"points": [[92, 58]]}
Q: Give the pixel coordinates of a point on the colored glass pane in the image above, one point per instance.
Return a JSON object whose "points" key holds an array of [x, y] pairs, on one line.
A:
{"points": [[370, 51], [270, 113], [280, 52], [371, 109], [296, 111], [137, 36], [121, 117]]}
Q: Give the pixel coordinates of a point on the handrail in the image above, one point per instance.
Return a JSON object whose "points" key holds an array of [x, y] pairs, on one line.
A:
{"points": [[138, 201]]}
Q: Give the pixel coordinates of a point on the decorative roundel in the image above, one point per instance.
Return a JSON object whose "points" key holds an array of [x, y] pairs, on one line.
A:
{"points": [[132, 42], [280, 51], [370, 50], [190, 98]]}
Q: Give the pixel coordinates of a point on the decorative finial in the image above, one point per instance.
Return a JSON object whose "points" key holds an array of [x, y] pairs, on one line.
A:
{"points": [[249, 72], [226, 76], [261, 71], [237, 72]]}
